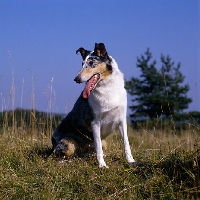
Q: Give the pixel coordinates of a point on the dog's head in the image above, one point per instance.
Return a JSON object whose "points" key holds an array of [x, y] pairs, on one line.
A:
{"points": [[96, 67]]}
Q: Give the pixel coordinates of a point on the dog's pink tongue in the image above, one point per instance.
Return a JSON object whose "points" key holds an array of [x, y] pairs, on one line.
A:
{"points": [[89, 86]]}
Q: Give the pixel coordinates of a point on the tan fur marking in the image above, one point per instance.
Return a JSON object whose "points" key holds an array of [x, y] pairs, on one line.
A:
{"points": [[98, 69], [71, 147]]}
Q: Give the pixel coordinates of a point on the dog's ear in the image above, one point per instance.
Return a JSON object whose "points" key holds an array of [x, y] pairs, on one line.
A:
{"points": [[100, 50], [84, 53]]}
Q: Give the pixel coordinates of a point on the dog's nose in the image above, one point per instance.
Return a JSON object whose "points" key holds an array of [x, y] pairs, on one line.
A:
{"points": [[77, 79]]}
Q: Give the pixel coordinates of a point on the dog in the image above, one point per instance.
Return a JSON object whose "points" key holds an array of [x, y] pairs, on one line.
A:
{"points": [[99, 111]]}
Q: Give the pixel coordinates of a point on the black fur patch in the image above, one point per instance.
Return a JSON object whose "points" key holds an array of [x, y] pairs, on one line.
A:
{"points": [[84, 53], [109, 67]]}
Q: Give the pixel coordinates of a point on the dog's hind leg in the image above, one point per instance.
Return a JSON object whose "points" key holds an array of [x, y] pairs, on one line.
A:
{"points": [[98, 144], [127, 149]]}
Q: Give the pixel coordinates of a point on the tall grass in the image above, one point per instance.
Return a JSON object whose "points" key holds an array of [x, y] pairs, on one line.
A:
{"points": [[168, 161]]}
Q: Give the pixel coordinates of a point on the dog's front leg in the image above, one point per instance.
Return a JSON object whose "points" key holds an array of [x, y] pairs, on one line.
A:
{"points": [[98, 144], [127, 149]]}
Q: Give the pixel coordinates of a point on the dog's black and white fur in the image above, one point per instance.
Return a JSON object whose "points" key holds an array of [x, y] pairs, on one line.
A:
{"points": [[99, 111]]}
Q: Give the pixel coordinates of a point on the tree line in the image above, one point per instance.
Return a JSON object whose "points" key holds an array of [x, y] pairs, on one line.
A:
{"points": [[29, 118], [158, 92]]}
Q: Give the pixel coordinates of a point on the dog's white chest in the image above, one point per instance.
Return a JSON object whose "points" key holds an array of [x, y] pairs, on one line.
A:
{"points": [[108, 95], [103, 101]]}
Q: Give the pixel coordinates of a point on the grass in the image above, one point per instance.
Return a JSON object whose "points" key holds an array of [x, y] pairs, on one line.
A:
{"points": [[168, 169], [168, 161]]}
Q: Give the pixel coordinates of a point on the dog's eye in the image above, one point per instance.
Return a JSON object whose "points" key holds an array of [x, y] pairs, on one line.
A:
{"points": [[91, 63]]}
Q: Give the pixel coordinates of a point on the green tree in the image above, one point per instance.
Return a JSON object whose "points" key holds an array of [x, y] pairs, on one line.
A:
{"points": [[157, 91]]}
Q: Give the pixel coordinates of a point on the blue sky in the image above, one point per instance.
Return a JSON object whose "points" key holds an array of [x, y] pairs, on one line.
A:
{"points": [[39, 40]]}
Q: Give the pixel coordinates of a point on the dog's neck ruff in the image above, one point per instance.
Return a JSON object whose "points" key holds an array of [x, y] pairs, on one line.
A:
{"points": [[109, 93]]}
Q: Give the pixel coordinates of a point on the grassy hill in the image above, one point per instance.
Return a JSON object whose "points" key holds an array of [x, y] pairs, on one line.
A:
{"points": [[168, 163]]}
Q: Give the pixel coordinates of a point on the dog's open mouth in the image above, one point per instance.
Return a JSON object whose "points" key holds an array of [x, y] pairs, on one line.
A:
{"points": [[90, 85]]}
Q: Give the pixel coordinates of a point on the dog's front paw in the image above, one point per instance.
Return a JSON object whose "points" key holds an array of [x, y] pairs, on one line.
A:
{"points": [[133, 164], [103, 166]]}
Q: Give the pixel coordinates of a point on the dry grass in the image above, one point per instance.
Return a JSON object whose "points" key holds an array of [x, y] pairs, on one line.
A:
{"points": [[168, 163], [168, 169]]}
